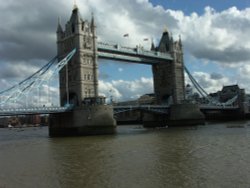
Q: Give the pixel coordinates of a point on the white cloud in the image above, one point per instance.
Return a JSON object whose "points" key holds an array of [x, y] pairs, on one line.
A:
{"points": [[216, 36], [126, 90], [221, 37], [209, 82]]}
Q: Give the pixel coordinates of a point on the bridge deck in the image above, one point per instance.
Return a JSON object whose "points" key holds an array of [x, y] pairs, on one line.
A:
{"points": [[117, 109], [164, 108], [213, 107], [32, 111]]}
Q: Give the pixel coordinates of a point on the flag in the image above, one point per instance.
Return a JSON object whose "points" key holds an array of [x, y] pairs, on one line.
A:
{"points": [[126, 35]]}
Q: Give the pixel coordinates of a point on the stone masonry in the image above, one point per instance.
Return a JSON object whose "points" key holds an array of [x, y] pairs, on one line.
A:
{"points": [[169, 82], [81, 79]]}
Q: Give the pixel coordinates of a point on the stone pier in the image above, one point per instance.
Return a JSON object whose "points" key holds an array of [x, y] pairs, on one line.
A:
{"points": [[87, 120], [185, 114]]}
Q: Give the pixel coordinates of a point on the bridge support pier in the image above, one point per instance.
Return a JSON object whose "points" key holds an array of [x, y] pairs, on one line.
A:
{"points": [[154, 120], [179, 115], [185, 114], [85, 120]]}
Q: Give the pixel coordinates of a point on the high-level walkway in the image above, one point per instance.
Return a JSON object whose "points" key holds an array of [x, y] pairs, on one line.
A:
{"points": [[134, 55]]}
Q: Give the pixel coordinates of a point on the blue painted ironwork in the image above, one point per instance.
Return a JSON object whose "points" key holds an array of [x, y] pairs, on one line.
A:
{"points": [[16, 92], [212, 101], [34, 110]]}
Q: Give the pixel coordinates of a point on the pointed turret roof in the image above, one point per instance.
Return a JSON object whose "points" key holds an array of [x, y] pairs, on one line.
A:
{"points": [[75, 5], [92, 24], [59, 27], [152, 46], [75, 16], [164, 45], [180, 42], [92, 20]]}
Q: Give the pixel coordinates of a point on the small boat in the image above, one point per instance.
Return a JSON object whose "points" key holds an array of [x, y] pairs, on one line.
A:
{"points": [[10, 126]]}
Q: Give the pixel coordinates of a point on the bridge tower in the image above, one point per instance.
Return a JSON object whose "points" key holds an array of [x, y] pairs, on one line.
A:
{"points": [[169, 85], [79, 83], [169, 77], [79, 78]]}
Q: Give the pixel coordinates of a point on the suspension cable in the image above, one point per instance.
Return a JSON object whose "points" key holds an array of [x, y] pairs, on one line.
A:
{"points": [[205, 94], [36, 79]]}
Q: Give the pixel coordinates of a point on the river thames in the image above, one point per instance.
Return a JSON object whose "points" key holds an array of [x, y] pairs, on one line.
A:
{"points": [[213, 155]]}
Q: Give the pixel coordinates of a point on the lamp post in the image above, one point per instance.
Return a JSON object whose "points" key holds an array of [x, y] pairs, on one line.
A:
{"points": [[111, 96], [67, 85]]}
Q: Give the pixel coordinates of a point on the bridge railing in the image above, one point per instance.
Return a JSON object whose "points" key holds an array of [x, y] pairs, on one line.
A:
{"points": [[140, 106], [34, 110], [217, 107], [162, 109]]}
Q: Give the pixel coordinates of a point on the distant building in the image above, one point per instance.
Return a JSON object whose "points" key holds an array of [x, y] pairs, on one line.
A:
{"points": [[4, 122], [134, 116], [14, 121], [228, 92], [146, 99], [192, 96], [189, 91], [248, 98]]}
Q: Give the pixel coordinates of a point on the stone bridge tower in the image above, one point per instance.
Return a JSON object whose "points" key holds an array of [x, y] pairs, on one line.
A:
{"points": [[169, 82], [78, 81], [79, 78]]}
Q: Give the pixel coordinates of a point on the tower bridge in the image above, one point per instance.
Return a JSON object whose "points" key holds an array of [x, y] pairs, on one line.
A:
{"points": [[82, 110], [82, 71]]}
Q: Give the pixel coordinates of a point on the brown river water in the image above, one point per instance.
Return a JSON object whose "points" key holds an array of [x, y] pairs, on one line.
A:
{"points": [[213, 155]]}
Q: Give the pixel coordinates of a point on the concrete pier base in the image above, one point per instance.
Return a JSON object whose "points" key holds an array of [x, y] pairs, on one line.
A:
{"points": [[185, 114], [85, 120]]}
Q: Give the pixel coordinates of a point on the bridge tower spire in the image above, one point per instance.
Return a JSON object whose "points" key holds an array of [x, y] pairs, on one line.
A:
{"points": [[75, 5]]}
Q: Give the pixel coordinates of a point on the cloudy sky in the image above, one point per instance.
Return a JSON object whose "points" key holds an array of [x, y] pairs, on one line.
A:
{"points": [[215, 35]]}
